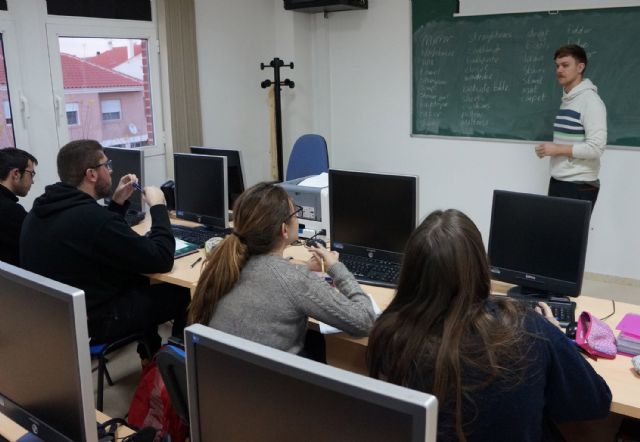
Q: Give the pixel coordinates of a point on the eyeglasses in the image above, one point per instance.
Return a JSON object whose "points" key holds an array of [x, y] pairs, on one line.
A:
{"points": [[297, 213], [30, 172], [108, 164]]}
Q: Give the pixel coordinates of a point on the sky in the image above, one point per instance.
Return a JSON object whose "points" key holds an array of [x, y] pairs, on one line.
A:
{"points": [[88, 46]]}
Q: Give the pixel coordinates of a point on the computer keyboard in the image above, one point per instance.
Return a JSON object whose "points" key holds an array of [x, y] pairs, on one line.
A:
{"points": [[372, 271], [197, 235], [563, 310], [133, 217]]}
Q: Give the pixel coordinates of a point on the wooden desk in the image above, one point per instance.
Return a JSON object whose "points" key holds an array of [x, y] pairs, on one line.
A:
{"points": [[12, 431], [349, 353]]}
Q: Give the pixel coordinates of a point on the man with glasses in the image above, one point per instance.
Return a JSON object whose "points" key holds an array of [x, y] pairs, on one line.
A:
{"points": [[69, 237], [17, 171]]}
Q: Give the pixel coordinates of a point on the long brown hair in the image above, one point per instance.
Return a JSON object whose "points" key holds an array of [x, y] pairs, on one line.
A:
{"points": [[258, 216], [438, 323]]}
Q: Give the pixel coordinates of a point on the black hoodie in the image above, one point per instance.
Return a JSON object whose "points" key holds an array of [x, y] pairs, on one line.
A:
{"points": [[69, 237]]}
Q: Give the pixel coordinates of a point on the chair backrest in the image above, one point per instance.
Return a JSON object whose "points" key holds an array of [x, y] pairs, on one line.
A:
{"points": [[308, 157], [173, 369]]}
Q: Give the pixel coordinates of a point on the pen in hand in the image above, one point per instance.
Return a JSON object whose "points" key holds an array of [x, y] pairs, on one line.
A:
{"points": [[193, 264]]}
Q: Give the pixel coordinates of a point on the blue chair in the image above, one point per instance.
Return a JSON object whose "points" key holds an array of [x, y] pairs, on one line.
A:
{"points": [[308, 157], [100, 352], [173, 369]]}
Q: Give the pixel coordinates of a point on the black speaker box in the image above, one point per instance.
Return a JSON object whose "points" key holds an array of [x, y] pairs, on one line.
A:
{"points": [[324, 5]]}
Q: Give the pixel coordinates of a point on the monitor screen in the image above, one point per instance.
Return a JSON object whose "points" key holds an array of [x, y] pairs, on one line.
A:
{"points": [[234, 169], [45, 367], [201, 189], [372, 210], [539, 242], [126, 161], [240, 390]]}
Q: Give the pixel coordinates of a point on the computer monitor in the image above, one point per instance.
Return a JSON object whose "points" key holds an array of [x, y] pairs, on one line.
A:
{"points": [[45, 367], [201, 189], [372, 214], [127, 160], [538, 243], [235, 175], [241, 390]]}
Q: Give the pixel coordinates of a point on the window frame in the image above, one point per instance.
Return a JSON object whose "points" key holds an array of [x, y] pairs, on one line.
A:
{"points": [[76, 27], [18, 103], [103, 113]]}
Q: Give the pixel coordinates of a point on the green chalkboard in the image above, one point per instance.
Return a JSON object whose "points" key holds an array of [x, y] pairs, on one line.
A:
{"points": [[493, 76]]}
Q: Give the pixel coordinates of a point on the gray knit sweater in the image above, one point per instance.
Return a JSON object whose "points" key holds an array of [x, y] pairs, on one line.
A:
{"points": [[273, 298]]}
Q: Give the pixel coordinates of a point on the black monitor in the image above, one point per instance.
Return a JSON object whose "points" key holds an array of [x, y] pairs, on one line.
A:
{"points": [[234, 169], [538, 243], [127, 160], [45, 367], [240, 390], [372, 214], [201, 189]]}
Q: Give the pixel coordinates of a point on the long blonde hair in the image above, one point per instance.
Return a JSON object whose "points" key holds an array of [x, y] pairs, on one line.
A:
{"points": [[258, 216]]}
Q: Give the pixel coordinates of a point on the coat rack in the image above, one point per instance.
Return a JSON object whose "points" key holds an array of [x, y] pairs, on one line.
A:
{"points": [[276, 64]]}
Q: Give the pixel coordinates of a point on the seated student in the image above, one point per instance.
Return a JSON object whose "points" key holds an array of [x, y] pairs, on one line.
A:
{"points": [[248, 289], [500, 372], [17, 171], [69, 237]]}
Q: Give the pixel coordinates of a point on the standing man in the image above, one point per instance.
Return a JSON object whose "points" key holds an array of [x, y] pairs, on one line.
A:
{"points": [[579, 131], [17, 171], [69, 237]]}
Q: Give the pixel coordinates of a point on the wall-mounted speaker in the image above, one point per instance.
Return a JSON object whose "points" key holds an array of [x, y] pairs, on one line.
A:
{"points": [[324, 5]]}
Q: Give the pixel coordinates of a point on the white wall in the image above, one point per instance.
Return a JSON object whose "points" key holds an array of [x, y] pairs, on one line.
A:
{"points": [[353, 80], [233, 38]]}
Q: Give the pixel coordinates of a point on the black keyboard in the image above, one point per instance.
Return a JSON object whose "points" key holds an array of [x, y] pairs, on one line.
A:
{"points": [[563, 310], [372, 271], [133, 217], [197, 235]]}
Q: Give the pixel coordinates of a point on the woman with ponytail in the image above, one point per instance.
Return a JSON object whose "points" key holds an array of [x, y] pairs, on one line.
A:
{"points": [[248, 289], [500, 371]]}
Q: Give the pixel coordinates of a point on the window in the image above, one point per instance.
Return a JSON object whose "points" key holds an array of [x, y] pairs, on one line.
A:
{"points": [[110, 81], [7, 112], [72, 114], [110, 110], [6, 123]]}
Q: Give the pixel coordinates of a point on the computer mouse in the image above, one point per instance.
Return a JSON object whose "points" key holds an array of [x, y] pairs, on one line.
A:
{"points": [[571, 329], [313, 242]]}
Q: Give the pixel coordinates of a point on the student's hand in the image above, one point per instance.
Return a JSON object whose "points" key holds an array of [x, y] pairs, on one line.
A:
{"points": [[153, 196], [318, 255], [545, 311], [125, 188]]}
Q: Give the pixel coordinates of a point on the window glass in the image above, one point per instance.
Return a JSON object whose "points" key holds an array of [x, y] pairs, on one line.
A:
{"points": [[107, 79], [110, 109], [7, 138], [72, 113]]}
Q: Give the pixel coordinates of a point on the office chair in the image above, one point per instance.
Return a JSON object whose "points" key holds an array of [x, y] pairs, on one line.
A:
{"points": [[100, 352], [173, 369], [308, 157]]}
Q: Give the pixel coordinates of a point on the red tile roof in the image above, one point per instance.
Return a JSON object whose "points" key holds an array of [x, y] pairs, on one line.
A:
{"points": [[79, 74], [114, 56]]}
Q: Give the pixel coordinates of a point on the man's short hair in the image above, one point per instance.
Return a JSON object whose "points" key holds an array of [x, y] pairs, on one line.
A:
{"points": [[574, 51], [12, 158], [75, 158]]}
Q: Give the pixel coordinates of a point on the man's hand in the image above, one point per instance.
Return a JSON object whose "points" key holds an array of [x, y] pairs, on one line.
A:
{"points": [[553, 150], [153, 196], [125, 188]]}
